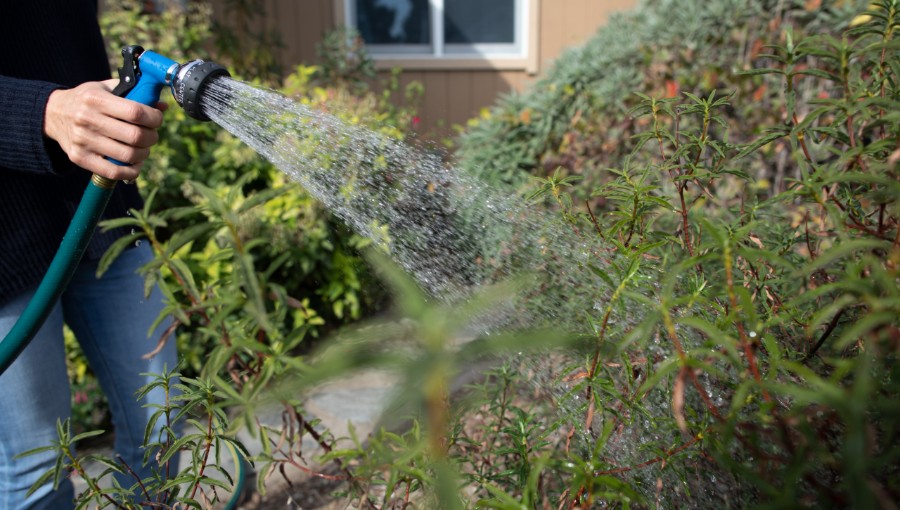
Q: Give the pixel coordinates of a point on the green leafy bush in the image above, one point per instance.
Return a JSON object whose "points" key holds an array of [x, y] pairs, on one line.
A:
{"points": [[576, 116], [312, 258], [748, 356]]}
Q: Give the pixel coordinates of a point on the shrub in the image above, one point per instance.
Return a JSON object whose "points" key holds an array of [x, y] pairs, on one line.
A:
{"points": [[576, 116], [747, 357]]}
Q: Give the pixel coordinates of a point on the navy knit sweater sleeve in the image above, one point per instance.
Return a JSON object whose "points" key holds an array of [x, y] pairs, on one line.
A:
{"points": [[44, 45], [23, 145]]}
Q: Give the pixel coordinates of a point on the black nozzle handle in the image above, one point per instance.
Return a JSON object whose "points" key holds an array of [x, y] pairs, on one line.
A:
{"points": [[129, 72]]}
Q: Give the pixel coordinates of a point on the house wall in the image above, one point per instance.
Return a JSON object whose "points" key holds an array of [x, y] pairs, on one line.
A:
{"points": [[451, 96]]}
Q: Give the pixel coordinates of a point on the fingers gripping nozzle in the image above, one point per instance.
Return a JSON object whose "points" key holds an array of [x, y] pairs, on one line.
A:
{"points": [[144, 73]]}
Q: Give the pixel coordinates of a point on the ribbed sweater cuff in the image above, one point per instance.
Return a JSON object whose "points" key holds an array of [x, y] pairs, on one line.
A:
{"points": [[23, 145]]}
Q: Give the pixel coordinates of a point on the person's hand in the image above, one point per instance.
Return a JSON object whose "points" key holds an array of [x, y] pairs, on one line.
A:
{"points": [[90, 123]]}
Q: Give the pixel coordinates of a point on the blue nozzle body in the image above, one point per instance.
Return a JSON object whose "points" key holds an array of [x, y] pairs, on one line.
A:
{"points": [[154, 72]]}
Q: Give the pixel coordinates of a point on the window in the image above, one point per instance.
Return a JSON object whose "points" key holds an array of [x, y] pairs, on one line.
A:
{"points": [[442, 29]]}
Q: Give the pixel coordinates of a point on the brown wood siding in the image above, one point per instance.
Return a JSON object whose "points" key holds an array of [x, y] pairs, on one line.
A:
{"points": [[300, 25], [566, 23], [451, 96]]}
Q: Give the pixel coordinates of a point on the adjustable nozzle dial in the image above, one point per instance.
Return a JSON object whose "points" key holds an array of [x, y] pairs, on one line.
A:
{"points": [[190, 82]]}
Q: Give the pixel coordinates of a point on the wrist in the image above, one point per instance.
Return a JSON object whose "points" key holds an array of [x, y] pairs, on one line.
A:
{"points": [[52, 114]]}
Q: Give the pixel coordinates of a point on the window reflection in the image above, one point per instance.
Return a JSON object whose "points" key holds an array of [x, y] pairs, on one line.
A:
{"points": [[479, 21], [393, 21]]}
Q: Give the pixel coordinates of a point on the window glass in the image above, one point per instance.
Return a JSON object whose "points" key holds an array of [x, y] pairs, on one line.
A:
{"points": [[393, 21], [479, 21]]}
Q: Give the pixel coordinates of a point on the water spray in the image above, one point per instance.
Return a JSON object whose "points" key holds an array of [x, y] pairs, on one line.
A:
{"points": [[143, 76]]}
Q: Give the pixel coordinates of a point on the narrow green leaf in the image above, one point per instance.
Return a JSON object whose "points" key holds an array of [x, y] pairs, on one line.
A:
{"points": [[756, 144]]}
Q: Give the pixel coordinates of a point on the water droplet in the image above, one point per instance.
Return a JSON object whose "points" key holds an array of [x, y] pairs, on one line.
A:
{"points": [[137, 243]]}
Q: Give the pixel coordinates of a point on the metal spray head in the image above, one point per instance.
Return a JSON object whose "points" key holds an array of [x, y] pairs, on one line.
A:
{"points": [[190, 83]]}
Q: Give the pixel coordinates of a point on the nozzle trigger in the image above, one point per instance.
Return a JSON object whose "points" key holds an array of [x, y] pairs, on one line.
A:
{"points": [[129, 72]]}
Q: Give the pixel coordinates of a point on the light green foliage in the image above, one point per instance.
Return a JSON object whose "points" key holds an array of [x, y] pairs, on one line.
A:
{"points": [[759, 226], [310, 256]]}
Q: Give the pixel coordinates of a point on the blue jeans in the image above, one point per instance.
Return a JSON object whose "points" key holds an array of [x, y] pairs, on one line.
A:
{"points": [[111, 319]]}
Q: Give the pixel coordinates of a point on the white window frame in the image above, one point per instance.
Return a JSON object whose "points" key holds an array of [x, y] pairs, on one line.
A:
{"points": [[519, 55]]}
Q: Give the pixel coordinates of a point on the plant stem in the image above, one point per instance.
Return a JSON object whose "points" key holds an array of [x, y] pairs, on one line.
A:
{"points": [[594, 220], [207, 448], [684, 219], [745, 342], [92, 484], [661, 458], [828, 330], [135, 476]]}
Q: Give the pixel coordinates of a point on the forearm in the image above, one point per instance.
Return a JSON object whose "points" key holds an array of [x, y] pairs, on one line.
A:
{"points": [[23, 145]]}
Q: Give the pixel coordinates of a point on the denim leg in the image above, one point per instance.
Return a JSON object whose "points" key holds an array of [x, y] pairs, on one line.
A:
{"points": [[111, 319], [34, 392]]}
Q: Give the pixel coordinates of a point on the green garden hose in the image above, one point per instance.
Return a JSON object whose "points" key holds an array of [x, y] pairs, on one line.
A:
{"points": [[63, 266]]}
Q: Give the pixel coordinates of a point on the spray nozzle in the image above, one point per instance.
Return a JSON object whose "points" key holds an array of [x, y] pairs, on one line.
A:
{"points": [[189, 84], [144, 73]]}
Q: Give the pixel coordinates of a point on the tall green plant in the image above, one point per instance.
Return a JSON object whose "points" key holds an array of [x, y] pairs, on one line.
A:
{"points": [[770, 340]]}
